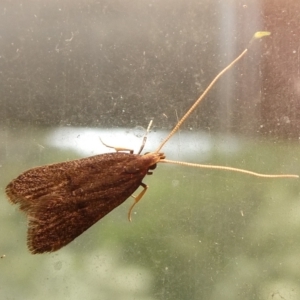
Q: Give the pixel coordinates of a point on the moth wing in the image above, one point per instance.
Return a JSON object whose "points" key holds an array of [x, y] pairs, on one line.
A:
{"points": [[54, 223], [35, 184], [86, 176], [57, 219]]}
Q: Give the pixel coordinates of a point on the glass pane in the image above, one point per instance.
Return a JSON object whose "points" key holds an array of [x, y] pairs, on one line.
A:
{"points": [[74, 71]]}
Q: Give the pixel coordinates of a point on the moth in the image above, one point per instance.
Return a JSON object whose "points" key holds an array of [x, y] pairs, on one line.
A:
{"points": [[63, 200]]}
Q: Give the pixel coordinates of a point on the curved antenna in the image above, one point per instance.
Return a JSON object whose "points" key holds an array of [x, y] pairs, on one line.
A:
{"points": [[228, 169], [257, 35]]}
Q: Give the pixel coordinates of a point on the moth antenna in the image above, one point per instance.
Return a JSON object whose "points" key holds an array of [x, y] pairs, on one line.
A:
{"points": [[257, 35], [229, 169], [145, 137]]}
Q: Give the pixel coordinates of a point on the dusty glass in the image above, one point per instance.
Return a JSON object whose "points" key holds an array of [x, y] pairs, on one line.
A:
{"points": [[72, 71]]}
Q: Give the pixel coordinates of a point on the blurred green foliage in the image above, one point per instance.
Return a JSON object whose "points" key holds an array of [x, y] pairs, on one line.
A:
{"points": [[196, 234]]}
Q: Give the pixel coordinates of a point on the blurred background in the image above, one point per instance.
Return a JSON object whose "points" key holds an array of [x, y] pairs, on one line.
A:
{"points": [[71, 71]]}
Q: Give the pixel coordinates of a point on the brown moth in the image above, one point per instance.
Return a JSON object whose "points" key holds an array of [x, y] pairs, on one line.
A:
{"points": [[63, 200]]}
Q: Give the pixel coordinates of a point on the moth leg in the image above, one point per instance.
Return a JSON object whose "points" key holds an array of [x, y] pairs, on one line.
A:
{"points": [[137, 199], [118, 149]]}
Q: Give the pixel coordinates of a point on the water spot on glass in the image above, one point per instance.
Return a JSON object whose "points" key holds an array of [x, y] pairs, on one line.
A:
{"points": [[57, 265], [286, 119], [139, 131], [175, 182]]}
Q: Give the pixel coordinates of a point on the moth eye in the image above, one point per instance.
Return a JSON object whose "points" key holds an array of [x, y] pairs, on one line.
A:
{"points": [[153, 167]]}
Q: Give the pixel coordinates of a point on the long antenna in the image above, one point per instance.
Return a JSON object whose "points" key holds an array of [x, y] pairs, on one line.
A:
{"points": [[228, 169], [257, 35]]}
